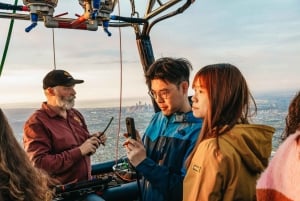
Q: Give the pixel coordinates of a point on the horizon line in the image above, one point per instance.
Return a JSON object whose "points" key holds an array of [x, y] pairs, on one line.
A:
{"points": [[126, 101]]}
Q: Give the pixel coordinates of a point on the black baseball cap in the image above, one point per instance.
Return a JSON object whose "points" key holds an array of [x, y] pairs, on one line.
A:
{"points": [[59, 78]]}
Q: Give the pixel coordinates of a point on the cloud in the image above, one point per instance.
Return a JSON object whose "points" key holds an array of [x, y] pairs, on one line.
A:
{"points": [[262, 38]]}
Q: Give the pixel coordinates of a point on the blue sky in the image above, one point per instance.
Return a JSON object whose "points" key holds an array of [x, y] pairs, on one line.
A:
{"points": [[262, 38]]}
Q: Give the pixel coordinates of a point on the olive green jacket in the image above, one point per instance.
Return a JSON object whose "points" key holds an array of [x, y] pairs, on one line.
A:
{"points": [[229, 173]]}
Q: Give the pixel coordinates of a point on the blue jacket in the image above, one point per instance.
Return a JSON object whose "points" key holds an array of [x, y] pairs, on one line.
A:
{"points": [[168, 142]]}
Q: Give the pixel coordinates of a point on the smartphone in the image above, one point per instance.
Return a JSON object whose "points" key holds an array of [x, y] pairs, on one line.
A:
{"points": [[130, 127]]}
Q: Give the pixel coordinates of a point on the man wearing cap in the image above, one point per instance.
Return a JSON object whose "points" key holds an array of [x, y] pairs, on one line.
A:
{"points": [[56, 136]]}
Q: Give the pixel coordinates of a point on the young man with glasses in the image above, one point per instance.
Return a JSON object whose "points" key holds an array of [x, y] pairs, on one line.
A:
{"points": [[169, 138]]}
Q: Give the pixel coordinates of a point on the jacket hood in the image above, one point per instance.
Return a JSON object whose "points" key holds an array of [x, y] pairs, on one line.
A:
{"points": [[253, 143]]}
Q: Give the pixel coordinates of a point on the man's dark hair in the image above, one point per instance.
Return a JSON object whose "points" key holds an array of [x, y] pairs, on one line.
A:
{"points": [[172, 70]]}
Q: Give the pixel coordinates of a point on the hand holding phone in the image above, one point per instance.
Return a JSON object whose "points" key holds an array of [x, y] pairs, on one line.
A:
{"points": [[130, 127]]}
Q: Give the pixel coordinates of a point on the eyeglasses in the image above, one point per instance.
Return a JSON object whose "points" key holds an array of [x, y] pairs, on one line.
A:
{"points": [[162, 94]]}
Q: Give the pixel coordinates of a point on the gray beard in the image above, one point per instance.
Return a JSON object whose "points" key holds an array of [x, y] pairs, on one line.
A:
{"points": [[65, 104]]}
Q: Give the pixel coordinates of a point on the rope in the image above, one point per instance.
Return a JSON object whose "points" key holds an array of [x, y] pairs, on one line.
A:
{"points": [[121, 87], [7, 40], [133, 12]]}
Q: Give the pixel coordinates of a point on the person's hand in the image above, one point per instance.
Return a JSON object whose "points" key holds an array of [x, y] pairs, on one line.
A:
{"points": [[135, 150], [101, 136], [138, 137], [90, 146]]}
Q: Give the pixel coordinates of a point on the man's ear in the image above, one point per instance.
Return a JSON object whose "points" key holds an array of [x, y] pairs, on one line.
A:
{"points": [[50, 91]]}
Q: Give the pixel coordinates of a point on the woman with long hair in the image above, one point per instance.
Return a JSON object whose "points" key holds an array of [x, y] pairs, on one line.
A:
{"points": [[279, 182], [230, 153], [19, 180], [292, 120]]}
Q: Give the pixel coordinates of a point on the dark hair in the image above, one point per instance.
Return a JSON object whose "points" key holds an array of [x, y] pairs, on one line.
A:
{"points": [[229, 100], [292, 120], [19, 180], [172, 70]]}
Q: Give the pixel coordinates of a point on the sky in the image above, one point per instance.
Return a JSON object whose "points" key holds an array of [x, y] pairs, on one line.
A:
{"points": [[260, 37]]}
